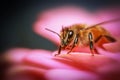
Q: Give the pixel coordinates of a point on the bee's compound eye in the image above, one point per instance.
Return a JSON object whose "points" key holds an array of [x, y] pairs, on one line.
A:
{"points": [[70, 33]]}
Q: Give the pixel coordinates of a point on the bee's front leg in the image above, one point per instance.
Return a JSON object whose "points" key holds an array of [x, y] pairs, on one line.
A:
{"points": [[74, 43], [70, 49], [59, 51]]}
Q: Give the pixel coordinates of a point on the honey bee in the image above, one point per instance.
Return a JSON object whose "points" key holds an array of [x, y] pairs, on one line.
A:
{"points": [[80, 35]]}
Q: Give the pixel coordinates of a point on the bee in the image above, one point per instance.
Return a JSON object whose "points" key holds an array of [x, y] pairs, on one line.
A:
{"points": [[80, 35]]}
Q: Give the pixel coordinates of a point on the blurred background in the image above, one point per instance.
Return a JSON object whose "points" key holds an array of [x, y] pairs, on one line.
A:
{"points": [[18, 17]]}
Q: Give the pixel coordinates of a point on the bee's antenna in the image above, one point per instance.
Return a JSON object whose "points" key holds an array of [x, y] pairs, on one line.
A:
{"points": [[63, 31], [109, 21], [52, 31]]}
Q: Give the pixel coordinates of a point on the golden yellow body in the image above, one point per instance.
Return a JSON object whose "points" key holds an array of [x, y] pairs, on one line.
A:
{"points": [[83, 36], [80, 35]]}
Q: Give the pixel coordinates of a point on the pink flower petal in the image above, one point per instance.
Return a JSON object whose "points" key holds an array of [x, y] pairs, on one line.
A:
{"points": [[113, 55], [22, 72], [85, 61], [41, 59], [110, 72], [15, 55], [66, 74]]}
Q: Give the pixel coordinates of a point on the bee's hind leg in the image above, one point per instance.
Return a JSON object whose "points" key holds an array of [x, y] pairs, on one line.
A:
{"points": [[105, 39]]}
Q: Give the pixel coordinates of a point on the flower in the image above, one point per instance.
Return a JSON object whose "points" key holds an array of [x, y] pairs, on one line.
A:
{"points": [[27, 64]]}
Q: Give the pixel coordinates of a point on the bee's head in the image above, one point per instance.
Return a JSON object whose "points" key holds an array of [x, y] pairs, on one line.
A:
{"points": [[66, 36]]}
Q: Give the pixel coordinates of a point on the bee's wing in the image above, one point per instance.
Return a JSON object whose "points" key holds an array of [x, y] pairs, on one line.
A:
{"points": [[105, 22]]}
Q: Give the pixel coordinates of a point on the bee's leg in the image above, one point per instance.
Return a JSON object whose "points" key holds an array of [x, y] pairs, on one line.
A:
{"points": [[109, 38], [92, 48], [74, 43], [71, 49], [91, 44], [100, 45], [59, 51]]}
